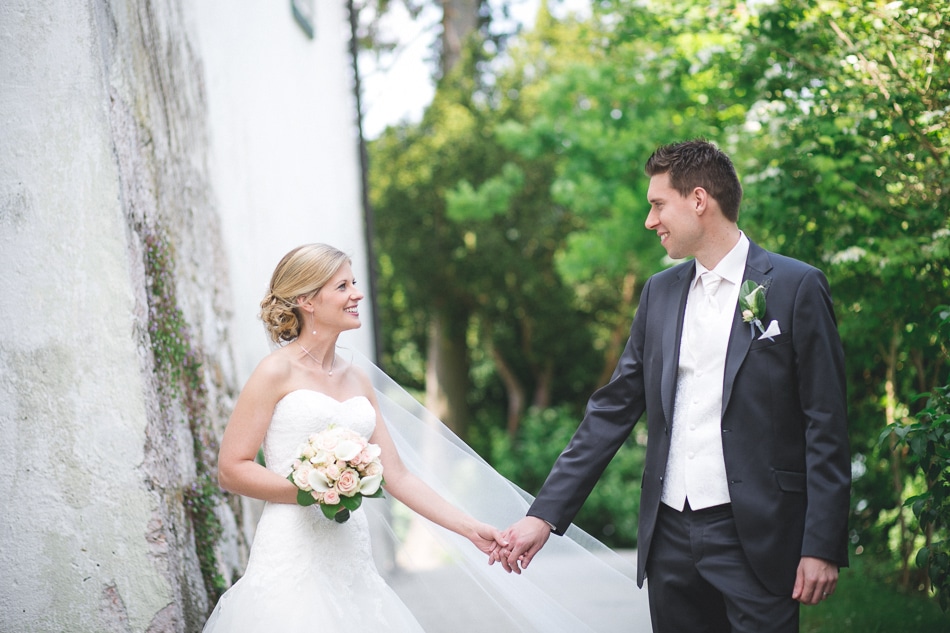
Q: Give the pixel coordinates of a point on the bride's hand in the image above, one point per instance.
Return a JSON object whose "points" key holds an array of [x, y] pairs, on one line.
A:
{"points": [[487, 539]]}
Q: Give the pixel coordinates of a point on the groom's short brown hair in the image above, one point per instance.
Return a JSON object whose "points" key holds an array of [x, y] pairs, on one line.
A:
{"points": [[699, 163]]}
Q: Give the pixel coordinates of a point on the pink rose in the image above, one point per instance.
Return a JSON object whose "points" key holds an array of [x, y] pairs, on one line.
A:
{"points": [[333, 472], [326, 441], [331, 497], [349, 482]]}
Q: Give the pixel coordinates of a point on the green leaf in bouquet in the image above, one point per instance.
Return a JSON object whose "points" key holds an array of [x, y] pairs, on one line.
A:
{"points": [[304, 498], [351, 503], [330, 511]]}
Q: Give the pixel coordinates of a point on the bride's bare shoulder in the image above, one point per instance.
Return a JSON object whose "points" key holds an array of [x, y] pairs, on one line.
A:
{"points": [[359, 381], [275, 368]]}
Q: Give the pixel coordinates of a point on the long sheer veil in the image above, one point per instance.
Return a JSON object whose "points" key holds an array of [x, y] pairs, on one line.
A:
{"points": [[575, 584]]}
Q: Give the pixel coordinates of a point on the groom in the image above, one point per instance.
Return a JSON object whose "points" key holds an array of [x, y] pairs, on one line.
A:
{"points": [[744, 500]]}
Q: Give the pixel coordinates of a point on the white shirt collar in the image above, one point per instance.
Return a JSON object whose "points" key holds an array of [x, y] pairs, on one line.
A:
{"points": [[732, 266]]}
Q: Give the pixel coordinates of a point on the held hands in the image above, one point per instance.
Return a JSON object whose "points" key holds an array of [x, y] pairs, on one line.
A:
{"points": [[487, 539], [524, 539], [815, 581]]}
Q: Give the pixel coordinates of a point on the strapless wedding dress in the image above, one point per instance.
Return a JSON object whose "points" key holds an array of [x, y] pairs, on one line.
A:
{"points": [[308, 573]]}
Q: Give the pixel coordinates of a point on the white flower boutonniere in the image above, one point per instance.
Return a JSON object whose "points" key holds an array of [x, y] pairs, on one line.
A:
{"points": [[752, 305]]}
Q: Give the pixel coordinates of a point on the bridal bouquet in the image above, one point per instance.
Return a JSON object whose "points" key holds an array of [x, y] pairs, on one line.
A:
{"points": [[337, 468]]}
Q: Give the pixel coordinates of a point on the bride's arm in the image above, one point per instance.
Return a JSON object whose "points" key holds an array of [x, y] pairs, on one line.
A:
{"points": [[238, 470], [405, 486]]}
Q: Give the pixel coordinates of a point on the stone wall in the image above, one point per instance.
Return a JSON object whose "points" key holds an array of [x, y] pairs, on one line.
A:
{"points": [[120, 294]]}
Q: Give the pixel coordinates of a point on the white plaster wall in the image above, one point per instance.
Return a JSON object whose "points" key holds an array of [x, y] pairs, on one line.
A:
{"points": [[284, 149], [75, 510], [104, 107]]}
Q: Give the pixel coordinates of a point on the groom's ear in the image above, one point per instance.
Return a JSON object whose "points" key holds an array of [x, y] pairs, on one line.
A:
{"points": [[699, 200]]}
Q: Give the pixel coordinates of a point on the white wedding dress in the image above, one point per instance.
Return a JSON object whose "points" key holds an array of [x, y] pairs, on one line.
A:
{"points": [[308, 573]]}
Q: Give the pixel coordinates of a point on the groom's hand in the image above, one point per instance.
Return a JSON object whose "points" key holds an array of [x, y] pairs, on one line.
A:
{"points": [[815, 581], [525, 539]]}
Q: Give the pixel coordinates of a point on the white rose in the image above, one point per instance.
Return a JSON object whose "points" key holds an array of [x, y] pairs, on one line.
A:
{"points": [[305, 451]]}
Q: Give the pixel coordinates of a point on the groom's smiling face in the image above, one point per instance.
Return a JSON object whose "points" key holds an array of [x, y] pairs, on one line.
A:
{"points": [[674, 218]]}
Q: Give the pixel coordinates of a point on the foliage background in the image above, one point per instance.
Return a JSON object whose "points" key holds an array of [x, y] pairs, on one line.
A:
{"points": [[509, 222]]}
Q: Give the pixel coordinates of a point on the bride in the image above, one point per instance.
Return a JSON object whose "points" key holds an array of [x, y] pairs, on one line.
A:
{"points": [[307, 572]]}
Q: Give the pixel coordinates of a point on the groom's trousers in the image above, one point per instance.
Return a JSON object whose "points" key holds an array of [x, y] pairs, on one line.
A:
{"points": [[700, 581]]}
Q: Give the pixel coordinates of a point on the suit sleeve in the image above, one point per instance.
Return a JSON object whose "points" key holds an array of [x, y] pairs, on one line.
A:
{"points": [[823, 397], [612, 412]]}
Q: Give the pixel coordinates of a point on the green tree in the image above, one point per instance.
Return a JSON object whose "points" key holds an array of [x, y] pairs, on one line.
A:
{"points": [[527, 175], [460, 212], [645, 78], [416, 243]]}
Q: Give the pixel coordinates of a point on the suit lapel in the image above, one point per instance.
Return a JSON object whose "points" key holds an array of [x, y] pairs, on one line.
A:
{"points": [[757, 267], [672, 336]]}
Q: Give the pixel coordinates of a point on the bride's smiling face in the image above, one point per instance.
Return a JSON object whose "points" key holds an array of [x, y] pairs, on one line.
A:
{"points": [[336, 304]]}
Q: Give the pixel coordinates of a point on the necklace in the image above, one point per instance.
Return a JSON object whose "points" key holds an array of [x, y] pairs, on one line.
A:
{"points": [[305, 351]]}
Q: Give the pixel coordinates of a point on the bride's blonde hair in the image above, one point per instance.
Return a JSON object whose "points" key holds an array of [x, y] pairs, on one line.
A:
{"points": [[302, 272]]}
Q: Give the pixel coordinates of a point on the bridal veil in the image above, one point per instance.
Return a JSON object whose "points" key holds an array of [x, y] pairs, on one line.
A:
{"points": [[574, 585]]}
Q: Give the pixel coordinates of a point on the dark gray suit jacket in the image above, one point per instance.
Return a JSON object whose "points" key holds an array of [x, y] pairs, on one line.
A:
{"points": [[784, 420]]}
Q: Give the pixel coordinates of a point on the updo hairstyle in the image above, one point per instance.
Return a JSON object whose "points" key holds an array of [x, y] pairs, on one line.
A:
{"points": [[302, 272]]}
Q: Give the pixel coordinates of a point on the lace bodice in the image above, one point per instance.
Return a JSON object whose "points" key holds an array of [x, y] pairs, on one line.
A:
{"points": [[303, 412]]}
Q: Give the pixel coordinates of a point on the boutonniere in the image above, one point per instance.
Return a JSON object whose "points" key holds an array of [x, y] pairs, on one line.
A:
{"points": [[752, 306]]}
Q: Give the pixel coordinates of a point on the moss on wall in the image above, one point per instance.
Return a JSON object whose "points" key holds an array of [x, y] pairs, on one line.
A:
{"points": [[179, 369]]}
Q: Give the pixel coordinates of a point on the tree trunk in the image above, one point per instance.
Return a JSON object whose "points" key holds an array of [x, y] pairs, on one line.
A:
{"points": [[905, 545], [513, 389], [447, 357], [542, 390], [447, 375], [620, 330], [459, 20]]}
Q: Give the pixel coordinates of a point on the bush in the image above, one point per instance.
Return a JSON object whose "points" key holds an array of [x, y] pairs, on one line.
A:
{"points": [[928, 442], [611, 511]]}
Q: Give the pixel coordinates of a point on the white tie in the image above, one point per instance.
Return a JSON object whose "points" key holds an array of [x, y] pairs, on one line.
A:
{"points": [[711, 283], [705, 317]]}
